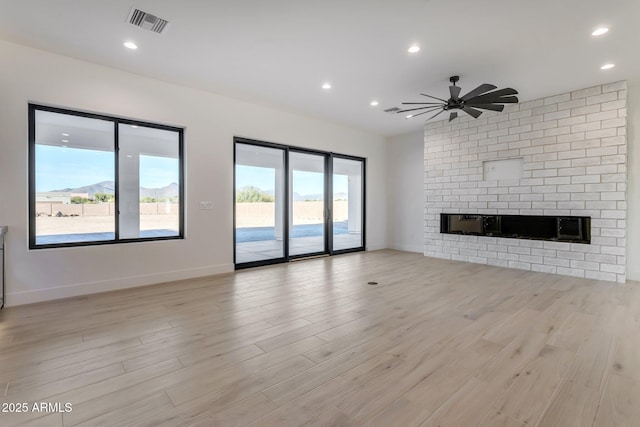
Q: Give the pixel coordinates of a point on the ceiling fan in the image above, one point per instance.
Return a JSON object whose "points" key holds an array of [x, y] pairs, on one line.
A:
{"points": [[484, 97]]}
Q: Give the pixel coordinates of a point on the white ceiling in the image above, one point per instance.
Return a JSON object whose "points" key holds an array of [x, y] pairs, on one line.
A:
{"points": [[280, 52]]}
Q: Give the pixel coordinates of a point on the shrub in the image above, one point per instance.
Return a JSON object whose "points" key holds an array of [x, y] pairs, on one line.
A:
{"points": [[253, 195]]}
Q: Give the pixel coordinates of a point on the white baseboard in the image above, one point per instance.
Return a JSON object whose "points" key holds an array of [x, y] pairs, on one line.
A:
{"points": [[375, 246], [407, 248], [78, 289]]}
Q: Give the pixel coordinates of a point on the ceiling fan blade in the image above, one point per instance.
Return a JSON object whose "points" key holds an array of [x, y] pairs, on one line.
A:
{"points": [[503, 100], [472, 112], [422, 103], [435, 115], [486, 87], [503, 92], [490, 99], [495, 94], [428, 112], [425, 112], [430, 107], [434, 97], [492, 107], [508, 100], [455, 92], [453, 116]]}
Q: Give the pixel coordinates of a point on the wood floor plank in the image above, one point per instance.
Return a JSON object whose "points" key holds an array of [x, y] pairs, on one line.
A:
{"points": [[530, 394], [30, 419], [40, 392], [234, 375], [132, 413], [619, 403], [131, 390], [465, 407], [401, 412], [240, 414], [495, 418], [575, 405], [574, 331], [452, 372], [510, 327], [508, 364], [51, 420], [324, 372], [116, 384], [228, 391], [313, 400], [626, 357], [60, 368]]}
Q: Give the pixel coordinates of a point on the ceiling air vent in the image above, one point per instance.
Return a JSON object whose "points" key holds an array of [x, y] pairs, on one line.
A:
{"points": [[392, 110], [147, 21]]}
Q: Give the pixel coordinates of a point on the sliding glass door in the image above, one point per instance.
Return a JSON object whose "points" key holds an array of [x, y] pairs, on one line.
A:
{"points": [[308, 219], [260, 200], [293, 203], [348, 203]]}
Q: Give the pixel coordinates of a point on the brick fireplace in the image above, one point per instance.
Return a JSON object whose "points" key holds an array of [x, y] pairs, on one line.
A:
{"points": [[571, 149]]}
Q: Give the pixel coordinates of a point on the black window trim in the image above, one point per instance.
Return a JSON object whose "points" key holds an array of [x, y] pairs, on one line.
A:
{"points": [[32, 108]]}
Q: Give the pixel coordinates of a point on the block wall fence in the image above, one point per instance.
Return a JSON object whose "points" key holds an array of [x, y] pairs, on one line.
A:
{"points": [[574, 149]]}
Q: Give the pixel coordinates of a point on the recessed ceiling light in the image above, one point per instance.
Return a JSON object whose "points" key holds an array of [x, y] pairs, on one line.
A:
{"points": [[326, 86], [374, 103], [607, 66], [600, 31], [130, 45], [413, 49], [65, 140], [65, 134], [129, 156], [134, 126], [409, 116]]}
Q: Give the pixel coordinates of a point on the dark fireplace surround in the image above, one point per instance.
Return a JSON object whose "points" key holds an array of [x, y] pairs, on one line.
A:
{"points": [[572, 229]]}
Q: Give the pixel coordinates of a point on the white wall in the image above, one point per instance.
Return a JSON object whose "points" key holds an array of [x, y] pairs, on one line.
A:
{"points": [[633, 180], [211, 121], [405, 216]]}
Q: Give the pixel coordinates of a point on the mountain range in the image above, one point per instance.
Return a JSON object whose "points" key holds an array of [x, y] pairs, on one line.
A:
{"points": [[108, 187], [170, 191], [297, 197]]}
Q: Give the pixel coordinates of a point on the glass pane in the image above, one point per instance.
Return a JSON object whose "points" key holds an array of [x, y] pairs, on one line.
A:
{"points": [[347, 204], [260, 203], [149, 182], [307, 219], [74, 179]]}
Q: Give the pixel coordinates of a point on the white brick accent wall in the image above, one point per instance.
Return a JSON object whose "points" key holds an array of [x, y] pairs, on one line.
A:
{"points": [[574, 148]]}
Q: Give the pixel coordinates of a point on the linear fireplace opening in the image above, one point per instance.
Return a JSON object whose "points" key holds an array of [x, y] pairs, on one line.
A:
{"points": [[573, 229]]}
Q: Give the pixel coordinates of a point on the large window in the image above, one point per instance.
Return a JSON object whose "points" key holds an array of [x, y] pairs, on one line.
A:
{"points": [[96, 179]]}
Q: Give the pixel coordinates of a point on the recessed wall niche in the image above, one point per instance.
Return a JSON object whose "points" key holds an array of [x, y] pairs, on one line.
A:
{"points": [[495, 170]]}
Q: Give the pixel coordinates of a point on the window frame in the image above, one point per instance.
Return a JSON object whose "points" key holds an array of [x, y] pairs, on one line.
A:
{"points": [[32, 108]]}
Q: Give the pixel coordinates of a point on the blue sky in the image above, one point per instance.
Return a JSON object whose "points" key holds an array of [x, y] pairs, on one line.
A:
{"points": [[303, 182], [59, 167]]}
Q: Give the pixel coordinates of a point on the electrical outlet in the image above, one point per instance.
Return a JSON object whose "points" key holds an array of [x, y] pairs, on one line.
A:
{"points": [[206, 206]]}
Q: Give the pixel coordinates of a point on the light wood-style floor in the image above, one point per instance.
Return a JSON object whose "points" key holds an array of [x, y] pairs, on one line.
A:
{"points": [[435, 343]]}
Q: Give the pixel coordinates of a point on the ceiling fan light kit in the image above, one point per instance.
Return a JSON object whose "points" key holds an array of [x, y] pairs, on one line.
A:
{"points": [[484, 97]]}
